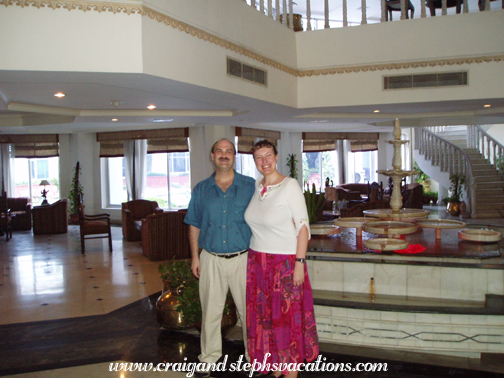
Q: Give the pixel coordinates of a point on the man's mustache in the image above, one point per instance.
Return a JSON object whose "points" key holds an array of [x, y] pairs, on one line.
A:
{"points": [[222, 159]]}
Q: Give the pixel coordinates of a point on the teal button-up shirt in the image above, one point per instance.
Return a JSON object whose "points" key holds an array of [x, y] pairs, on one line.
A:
{"points": [[220, 216]]}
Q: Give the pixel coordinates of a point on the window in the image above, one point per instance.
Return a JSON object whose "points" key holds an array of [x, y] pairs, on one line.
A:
{"points": [[245, 165], [362, 166], [317, 166], [116, 181], [28, 174], [168, 180]]}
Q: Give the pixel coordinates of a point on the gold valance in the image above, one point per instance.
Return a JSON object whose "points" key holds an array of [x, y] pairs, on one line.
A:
{"points": [[158, 141], [325, 141], [33, 145], [247, 137]]}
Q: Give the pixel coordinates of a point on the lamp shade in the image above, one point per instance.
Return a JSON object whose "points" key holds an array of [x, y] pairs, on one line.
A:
{"points": [[44, 183]]}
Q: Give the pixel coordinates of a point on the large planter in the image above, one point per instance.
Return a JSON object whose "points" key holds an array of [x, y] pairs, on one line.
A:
{"points": [[453, 208], [166, 309], [74, 218]]}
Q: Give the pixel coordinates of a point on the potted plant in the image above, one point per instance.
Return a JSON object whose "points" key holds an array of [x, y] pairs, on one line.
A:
{"points": [[179, 305], [456, 180], [291, 163], [76, 192], [314, 203]]}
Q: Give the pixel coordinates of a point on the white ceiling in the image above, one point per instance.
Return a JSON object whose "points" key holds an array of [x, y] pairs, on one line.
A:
{"points": [[88, 107]]}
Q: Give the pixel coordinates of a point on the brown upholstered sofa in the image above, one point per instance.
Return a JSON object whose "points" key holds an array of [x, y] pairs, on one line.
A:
{"points": [[50, 219], [358, 210], [351, 192], [136, 210], [165, 236], [21, 208]]}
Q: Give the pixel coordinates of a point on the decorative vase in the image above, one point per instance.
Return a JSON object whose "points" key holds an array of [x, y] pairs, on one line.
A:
{"points": [[166, 309], [453, 208]]}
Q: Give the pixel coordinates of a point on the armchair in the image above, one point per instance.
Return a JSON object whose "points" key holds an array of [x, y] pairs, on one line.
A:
{"points": [[5, 217], [98, 224], [413, 196], [136, 210], [165, 236], [50, 219], [21, 208]]}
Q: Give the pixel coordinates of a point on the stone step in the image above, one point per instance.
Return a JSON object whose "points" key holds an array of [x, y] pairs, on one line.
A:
{"points": [[489, 185], [488, 214], [489, 207], [482, 193], [486, 179], [497, 200]]}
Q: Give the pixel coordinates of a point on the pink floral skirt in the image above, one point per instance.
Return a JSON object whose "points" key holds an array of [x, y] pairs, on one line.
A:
{"points": [[280, 317]]}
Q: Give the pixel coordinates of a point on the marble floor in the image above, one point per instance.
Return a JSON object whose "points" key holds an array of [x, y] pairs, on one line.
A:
{"points": [[67, 314]]}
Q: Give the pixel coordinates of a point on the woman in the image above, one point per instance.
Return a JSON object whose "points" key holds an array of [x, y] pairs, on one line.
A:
{"points": [[280, 318]]}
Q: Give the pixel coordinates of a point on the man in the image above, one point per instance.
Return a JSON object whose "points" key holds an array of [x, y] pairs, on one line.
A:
{"points": [[216, 225]]}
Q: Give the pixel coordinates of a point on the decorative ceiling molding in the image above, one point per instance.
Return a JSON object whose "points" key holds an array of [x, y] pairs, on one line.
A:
{"points": [[42, 109], [208, 37]]}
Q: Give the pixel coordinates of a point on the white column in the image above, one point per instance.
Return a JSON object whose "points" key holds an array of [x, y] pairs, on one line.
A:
{"points": [[364, 16], [326, 14], [308, 15]]}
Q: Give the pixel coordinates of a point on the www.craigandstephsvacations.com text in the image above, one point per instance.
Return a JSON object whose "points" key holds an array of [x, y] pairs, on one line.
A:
{"points": [[190, 368]]}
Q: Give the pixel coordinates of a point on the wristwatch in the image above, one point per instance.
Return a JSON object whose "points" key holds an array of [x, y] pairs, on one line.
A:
{"points": [[301, 260]]}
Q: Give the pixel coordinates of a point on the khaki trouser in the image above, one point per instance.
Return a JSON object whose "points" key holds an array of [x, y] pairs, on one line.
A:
{"points": [[217, 276]]}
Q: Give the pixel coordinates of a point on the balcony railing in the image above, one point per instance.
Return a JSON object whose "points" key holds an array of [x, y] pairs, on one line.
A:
{"points": [[284, 10]]}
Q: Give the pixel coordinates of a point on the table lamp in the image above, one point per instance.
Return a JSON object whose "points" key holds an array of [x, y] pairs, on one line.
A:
{"points": [[44, 192]]}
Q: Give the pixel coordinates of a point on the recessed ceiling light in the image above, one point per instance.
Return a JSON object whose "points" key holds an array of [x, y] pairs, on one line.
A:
{"points": [[376, 111], [162, 120], [487, 106], [59, 94], [150, 107], [114, 120]]}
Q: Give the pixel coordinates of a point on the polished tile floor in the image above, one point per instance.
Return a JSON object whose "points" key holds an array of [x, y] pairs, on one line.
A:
{"points": [[67, 314]]}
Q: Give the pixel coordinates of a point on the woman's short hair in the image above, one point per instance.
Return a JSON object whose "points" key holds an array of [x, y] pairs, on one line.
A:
{"points": [[264, 143]]}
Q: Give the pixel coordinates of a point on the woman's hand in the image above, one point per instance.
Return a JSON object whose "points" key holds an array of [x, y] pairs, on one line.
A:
{"points": [[298, 275]]}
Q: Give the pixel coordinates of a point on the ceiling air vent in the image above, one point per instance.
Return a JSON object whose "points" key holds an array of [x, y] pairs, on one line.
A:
{"points": [[238, 69], [425, 80]]}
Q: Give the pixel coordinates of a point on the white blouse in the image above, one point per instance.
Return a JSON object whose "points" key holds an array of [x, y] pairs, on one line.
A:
{"points": [[276, 217]]}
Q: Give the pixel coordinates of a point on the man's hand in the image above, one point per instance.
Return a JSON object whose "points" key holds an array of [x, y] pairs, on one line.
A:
{"points": [[195, 266]]}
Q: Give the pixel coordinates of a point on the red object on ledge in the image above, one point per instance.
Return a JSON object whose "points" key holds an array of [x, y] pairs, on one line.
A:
{"points": [[413, 248]]}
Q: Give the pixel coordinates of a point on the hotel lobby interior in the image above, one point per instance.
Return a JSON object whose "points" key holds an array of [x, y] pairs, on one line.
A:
{"points": [[87, 77]]}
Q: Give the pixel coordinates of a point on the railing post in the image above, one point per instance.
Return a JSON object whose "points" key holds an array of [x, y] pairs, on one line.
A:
{"points": [[403, 9], [422, 9], [261, 6], [465, 7], [277, 11], [364, 14], [445, 8], [270, 11], [345, 14], [383, 11], [291, 15], [308, 15], [285, 20], [326, 14]]}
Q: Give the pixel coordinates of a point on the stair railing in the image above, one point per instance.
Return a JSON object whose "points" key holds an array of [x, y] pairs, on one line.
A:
{"points": [[487, 146], [447, 156]]}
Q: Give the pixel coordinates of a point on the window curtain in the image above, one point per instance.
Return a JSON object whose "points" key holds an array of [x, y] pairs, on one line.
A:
{"points": [[7, 152], [248, 137], [135, 162], [33, 146]]}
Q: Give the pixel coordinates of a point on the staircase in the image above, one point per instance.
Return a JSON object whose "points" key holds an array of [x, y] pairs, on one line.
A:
{"points": [[478, 158]]}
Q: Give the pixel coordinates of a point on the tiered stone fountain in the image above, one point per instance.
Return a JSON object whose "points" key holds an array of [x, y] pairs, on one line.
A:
{"points": [[395, 221]]}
